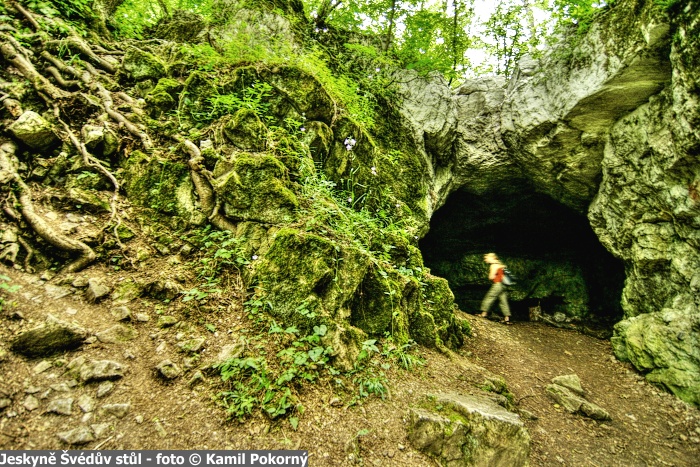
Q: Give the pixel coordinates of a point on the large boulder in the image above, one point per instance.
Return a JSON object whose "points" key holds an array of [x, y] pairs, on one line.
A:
{"points": [[469, 430], [666, 347], [52, 337]]}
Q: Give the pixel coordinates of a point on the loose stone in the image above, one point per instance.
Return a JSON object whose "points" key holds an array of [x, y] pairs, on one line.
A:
{"points": [[61, 406], [105, 388], [116, 410], [31, 403], [77, 436], [168, 369], [86, 403]]}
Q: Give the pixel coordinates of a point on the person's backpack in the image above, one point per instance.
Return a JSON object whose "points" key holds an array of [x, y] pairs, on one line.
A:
{"points": [[508, 277]]}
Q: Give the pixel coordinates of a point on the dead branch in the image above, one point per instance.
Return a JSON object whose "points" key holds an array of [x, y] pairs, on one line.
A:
{"points": [[37, 223], [28, 71], [27, 15]]}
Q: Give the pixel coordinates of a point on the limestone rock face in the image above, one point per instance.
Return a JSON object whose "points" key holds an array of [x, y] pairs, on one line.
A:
{"points": [[647, 212], [470, 430], [429, 112], [666, 345], [555, 120], [481, 159]]}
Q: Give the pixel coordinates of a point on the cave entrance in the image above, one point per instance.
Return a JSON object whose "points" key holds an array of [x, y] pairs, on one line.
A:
{"points": [[564, 273]]}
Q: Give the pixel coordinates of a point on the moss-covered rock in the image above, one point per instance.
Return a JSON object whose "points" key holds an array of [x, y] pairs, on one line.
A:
{"points": [[160, 184], [439, 303], [319, 138], [246, 131], [666, 347], [33, 130], [308, 279], [465, 430], [252, 188], [199, 89], [139, 65], [163, 97], [381, 303], [299, 93], [385, 180]]}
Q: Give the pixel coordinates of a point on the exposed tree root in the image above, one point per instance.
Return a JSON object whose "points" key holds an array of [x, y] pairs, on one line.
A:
{"points": [[60, 80], [118, 117], [202, 180], [37, 223], [75, 43], [27, 15], [25, 67]]}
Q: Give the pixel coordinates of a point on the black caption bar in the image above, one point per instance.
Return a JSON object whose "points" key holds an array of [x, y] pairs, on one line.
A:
{"points": [[154, 458]]}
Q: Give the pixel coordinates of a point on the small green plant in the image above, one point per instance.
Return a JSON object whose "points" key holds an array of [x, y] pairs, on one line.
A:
{"points": [[253, 98], [256, 383], [6, 288], [402, 354], [666, 5]]}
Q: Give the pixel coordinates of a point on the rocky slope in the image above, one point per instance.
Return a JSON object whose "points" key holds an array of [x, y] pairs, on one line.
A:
{"points": [[326, 205]]}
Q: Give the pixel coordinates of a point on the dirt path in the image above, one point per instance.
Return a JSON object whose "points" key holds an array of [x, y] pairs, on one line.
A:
{"points": [[648, 427]]}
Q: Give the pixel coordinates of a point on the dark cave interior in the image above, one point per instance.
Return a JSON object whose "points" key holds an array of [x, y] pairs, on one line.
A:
{"points": [[526, 228]]}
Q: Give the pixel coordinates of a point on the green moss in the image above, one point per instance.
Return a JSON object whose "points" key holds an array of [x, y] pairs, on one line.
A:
{"points": [[163, 97], [319, 138], [196, 96], [307, 278], [246, 131], [160, 184], [377, 307], [87, 181], [139, 65], [252, 189], [299, 93]]}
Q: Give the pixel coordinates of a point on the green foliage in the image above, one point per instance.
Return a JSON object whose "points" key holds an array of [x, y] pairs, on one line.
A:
{"points": [[402, 354], [133, 17], [269, 384], [220, 251], [579, 13], [508, 34], [75, 10], [666, 5], [254, 97]]}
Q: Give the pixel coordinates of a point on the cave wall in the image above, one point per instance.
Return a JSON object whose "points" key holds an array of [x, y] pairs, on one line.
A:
{"points": [[606, 124]]}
